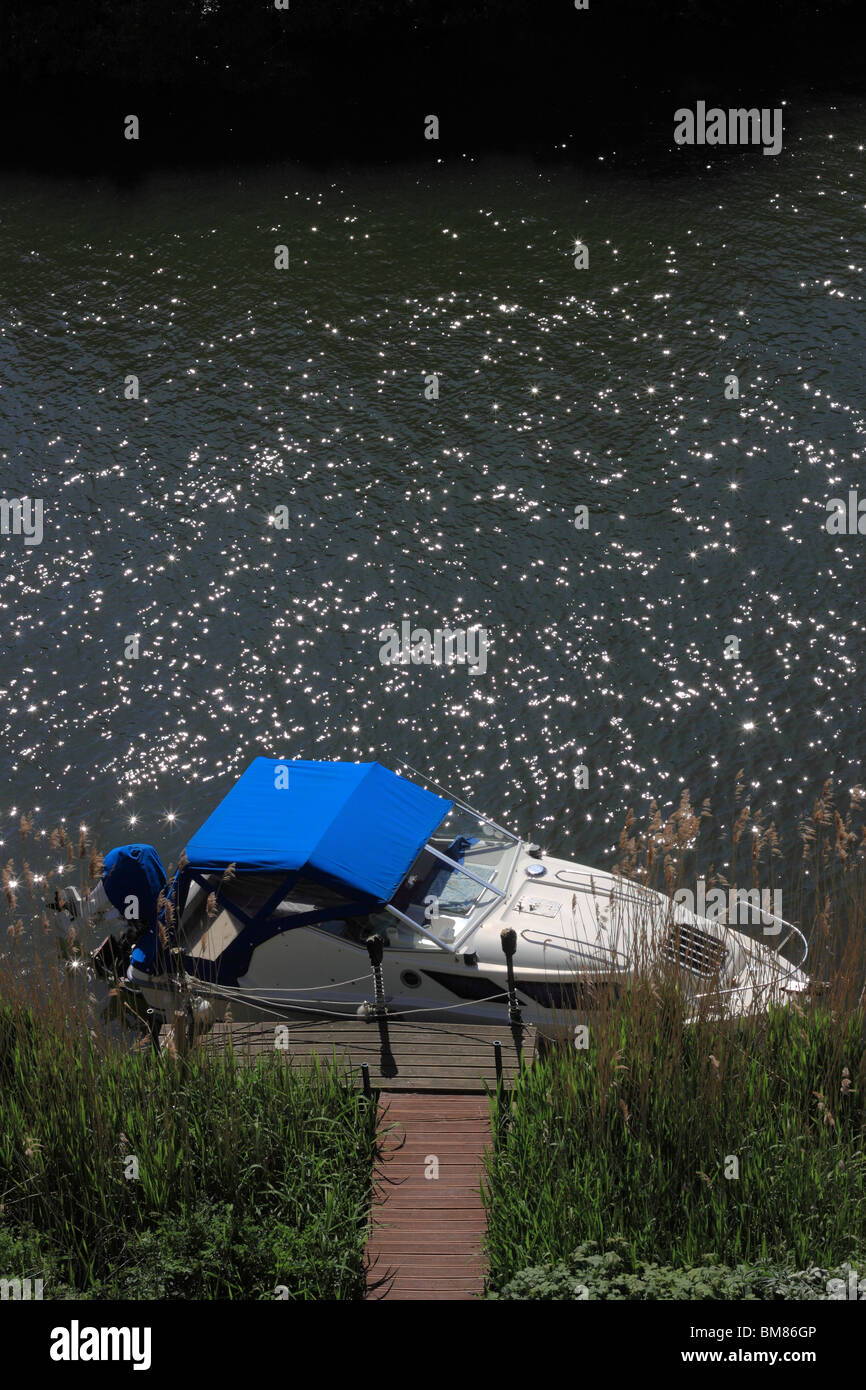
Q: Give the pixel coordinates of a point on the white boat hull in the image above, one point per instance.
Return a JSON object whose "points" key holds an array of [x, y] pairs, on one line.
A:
{"points": [[579, 935]]}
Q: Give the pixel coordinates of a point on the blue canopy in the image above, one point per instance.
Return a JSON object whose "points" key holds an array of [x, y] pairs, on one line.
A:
{"points": [[356, 824]]}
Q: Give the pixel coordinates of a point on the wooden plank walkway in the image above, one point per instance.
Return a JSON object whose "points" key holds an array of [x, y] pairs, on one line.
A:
{"points": [[433, 1079], [401, 1055], [427, 1223]]}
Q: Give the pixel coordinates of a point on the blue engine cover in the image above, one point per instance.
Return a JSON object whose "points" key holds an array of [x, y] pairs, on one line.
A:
{"points": [[134, 871]]}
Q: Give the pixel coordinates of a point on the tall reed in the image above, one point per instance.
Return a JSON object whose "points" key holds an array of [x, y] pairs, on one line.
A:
{"points": [[688, 1134], [124, 1172]]}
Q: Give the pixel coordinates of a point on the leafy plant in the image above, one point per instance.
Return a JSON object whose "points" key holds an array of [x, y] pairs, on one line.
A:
{"points": [[592, 1273]]}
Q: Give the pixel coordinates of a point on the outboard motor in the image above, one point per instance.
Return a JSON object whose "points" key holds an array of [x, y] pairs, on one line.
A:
{"points": [[126, 897]]}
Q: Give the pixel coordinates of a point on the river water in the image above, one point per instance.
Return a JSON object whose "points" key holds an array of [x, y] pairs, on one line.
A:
{"points": [[304, 389]]}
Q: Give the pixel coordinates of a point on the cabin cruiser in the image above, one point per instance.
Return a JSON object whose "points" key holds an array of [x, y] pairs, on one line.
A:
{"points": [[334, 889]]}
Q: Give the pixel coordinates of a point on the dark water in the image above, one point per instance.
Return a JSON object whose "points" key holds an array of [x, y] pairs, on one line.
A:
{"points": [[305, 388]]}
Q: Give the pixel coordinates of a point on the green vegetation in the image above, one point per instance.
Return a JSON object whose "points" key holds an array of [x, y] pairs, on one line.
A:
{"points": [[131, 1173], [613, 1276], [248, 1177], [634, 1136], [690, 1141]]}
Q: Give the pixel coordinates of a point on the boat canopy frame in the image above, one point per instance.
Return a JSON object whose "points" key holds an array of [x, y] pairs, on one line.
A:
{"points": [[259, 925], [335, 911]]}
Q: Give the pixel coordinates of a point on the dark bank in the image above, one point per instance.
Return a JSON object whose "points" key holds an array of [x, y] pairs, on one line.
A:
{"points": [[227, 79]]}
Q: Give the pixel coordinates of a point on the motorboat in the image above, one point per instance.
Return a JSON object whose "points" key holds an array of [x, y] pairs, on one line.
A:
{"points": [[336, 889]]}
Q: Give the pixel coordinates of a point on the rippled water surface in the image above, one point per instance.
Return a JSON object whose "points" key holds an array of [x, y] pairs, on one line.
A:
{"points": [[304, 388]]}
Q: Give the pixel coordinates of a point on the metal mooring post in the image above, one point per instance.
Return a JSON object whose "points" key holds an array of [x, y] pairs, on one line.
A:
{"points": [[508, 937], [503, 1103], [365, 1073], [179, 1031], [375, 950]]}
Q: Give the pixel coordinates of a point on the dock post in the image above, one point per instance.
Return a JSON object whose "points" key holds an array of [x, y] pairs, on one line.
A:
{"points": [[375, 950], [365, 1073], [508, 937], [503, 1103]]}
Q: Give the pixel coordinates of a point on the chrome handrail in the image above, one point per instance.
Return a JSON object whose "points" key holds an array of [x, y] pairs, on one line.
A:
{"points": [[725, 927]]}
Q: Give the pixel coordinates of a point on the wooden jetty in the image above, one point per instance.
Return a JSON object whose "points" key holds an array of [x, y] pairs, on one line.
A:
{"points": [[427, 1222], [433, 1082], [399, 1055]]}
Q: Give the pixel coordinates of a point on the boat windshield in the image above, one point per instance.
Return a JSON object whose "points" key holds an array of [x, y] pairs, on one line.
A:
{"points": [[455, 874], [455, 879]]}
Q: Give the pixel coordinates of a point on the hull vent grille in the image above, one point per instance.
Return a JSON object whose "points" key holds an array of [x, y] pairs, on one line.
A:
{"points": [[695, 950]]}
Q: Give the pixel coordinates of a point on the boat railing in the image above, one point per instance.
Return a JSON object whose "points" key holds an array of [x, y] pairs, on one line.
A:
{"points": [[637, 893]]}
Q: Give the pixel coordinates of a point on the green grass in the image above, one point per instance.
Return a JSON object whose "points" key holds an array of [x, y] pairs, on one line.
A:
{"points": [[690, 1144], [632, 1139], [249, 1177]]}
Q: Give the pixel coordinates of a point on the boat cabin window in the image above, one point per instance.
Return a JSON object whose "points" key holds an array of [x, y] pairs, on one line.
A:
{"points": [[249, 893], [436, 895], [307, 896]]}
